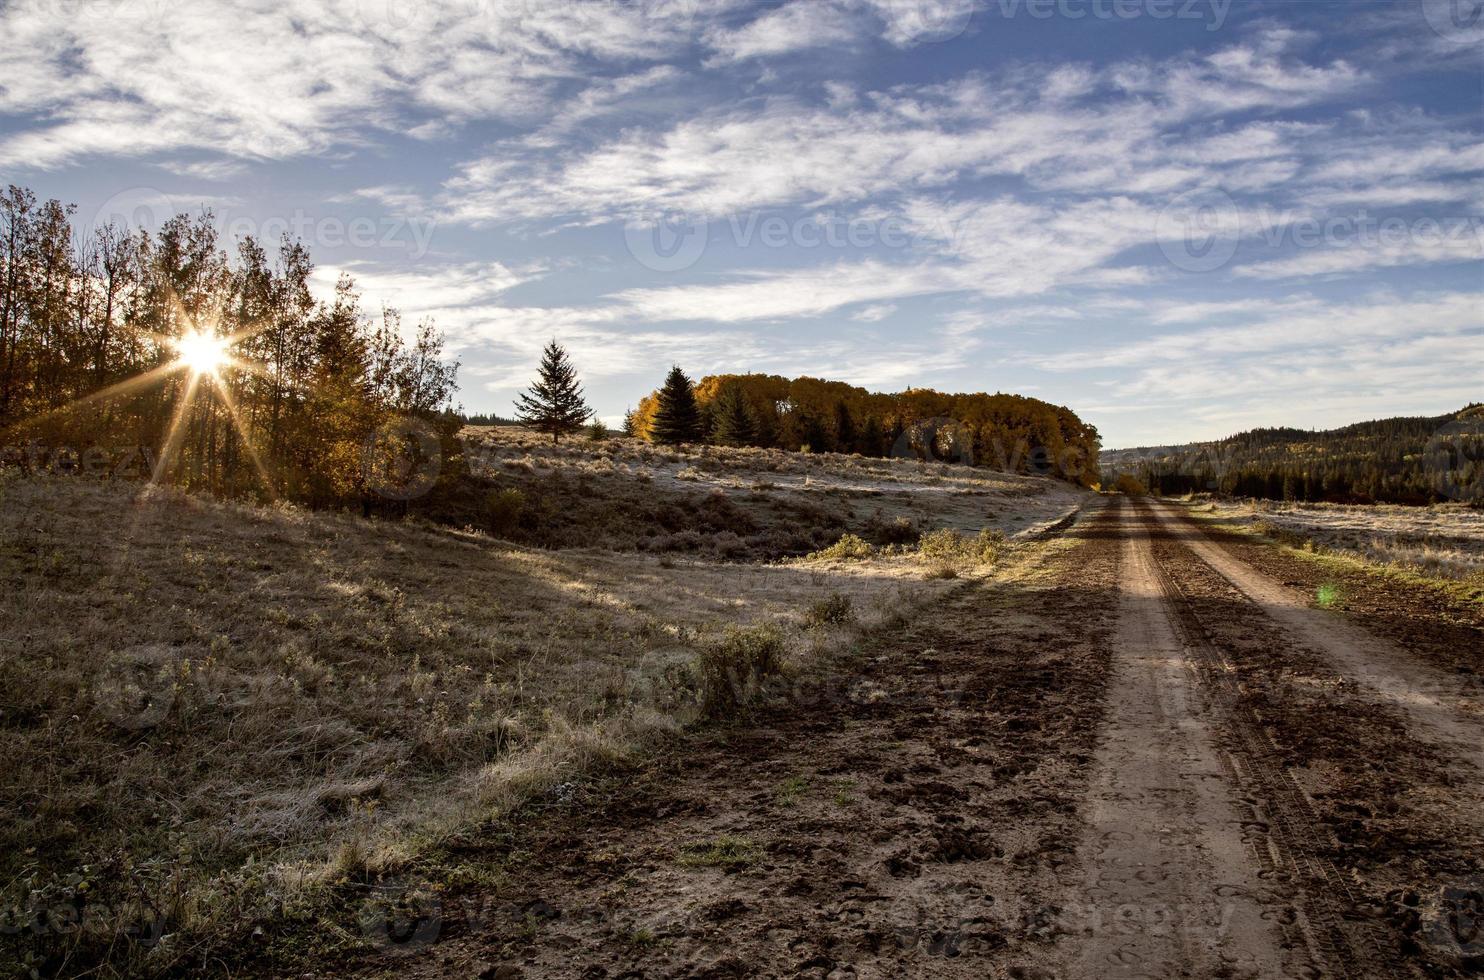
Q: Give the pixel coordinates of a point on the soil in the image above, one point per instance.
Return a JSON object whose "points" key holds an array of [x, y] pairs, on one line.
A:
{"points": [[1139, 752]]}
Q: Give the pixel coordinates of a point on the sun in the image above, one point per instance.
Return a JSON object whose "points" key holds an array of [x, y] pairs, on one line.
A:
{"points": [[202, 352]]}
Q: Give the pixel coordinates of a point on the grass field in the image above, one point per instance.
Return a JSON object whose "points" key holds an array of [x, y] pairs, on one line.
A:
{"points": [[1444, 541], [214, 713]]}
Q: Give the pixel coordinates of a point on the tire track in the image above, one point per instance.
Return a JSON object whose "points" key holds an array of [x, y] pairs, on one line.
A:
{"points": [[1287, 834], [1173, 887]]}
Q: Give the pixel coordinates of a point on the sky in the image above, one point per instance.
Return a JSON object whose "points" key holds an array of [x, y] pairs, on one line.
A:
{"points": [[1179, 218]]}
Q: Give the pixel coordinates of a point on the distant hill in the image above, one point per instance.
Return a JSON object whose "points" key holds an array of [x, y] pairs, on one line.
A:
{"points": [[1409, 460]]}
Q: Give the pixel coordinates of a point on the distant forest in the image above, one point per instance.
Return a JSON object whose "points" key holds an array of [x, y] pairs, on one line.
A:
{"points": [[1006, 432], [1416, 460]]}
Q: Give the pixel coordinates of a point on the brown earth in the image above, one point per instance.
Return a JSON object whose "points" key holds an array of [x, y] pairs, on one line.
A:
{"points": [[1138, 752]]}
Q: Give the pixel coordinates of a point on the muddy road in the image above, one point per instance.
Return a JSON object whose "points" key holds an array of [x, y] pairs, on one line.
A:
{"points": [[1144, 750]]}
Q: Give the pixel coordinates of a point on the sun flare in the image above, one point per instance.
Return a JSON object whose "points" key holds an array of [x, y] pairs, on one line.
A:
{"points": [[203, 353]]}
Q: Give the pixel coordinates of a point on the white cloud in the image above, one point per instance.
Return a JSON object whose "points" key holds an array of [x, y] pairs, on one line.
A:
{"points": [[874, 313]]}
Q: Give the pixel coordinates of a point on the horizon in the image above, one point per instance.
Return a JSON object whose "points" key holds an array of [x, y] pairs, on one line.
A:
{"points": [[1180, 220]]}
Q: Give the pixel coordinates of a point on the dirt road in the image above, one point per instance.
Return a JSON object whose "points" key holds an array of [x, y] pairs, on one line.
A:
{"points": [[1141, 752]]}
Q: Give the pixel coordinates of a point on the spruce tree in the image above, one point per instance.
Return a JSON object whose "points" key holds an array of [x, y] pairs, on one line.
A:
{"points": [[735, 424], [844, 428], [677, 418], [555, 403]]}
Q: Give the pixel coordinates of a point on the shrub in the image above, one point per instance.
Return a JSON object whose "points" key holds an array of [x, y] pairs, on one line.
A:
{"points": [[733, 667], [850, 547], [1131, 485], [596, 431], [898, 530], [503, 509], [948, 547], [830, 611]]}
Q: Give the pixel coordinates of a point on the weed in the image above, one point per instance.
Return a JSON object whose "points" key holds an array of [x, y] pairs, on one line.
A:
{"points": [[791, 789], [850, 547], [832, 610], [726, 851], [733, 667]]}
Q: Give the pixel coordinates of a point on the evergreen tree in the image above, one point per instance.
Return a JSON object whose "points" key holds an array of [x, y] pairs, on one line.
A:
{"points": [[735, 424], [555, 403], [844, 428], [628, 422], [677, 419], [872, 437]]}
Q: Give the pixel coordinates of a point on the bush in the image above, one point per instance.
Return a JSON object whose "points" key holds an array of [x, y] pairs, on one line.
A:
{"points": [[898, 530], [830, 611], [503, 510], [1131, 485], [733, 667], [948, 547], [850, 547]]}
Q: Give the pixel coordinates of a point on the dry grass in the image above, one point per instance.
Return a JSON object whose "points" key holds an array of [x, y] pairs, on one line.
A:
{"points": [[1444, 541], [213, 713], [740, 504]]}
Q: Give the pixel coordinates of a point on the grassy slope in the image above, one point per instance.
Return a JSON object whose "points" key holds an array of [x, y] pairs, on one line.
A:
{"points": [[212, 710]]}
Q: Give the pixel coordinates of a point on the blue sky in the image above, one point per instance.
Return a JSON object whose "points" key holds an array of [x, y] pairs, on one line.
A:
{"points": [[1179, 217]]}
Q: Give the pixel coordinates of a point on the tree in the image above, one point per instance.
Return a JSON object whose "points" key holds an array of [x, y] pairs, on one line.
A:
{"points": [[735, 423], [555, 403], [844, 428], [677, 417]]}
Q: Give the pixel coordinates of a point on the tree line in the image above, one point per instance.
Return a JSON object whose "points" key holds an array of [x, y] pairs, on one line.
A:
{"points": [[1413, 460], [1008, 432], [222, 370]]}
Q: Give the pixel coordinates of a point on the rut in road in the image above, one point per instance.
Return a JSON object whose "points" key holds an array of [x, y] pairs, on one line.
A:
{"points": [[1442, 709], [1171, 887]]}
